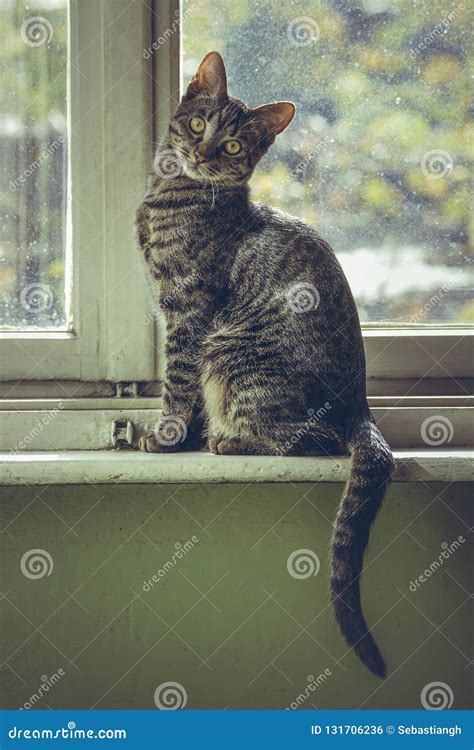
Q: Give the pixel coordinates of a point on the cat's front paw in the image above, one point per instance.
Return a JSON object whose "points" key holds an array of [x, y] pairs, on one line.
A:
{"points": [[213, 443], [150, 443], [167, 437], [226, 446]]}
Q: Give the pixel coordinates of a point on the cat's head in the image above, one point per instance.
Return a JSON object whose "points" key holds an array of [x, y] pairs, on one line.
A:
{"points": [[217, 137]]}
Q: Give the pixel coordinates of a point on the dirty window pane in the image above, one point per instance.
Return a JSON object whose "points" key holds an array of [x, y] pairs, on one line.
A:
{"points": [[33, 159], [377, 159]]}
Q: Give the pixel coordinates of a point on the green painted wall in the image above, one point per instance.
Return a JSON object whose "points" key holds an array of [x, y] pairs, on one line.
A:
{"points": [[227, 621]]}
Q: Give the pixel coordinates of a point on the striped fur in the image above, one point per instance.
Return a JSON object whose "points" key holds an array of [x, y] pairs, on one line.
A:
{"points": [[246, 367]]}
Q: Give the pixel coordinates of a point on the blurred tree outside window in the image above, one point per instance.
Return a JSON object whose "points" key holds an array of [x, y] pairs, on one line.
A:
{"points": [[33, 158], [377, 160]]}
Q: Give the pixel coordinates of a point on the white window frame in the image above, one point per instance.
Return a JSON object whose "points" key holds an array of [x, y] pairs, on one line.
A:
{"points": [[411, 373], [109, 155], [419, 362]]}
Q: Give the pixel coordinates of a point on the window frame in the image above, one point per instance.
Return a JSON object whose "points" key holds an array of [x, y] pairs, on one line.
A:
{"points": [[108, 158], [422, 361]]}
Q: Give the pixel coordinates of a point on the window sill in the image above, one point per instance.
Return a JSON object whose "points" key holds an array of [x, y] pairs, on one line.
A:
{"points": [[127, 467], [72, 424]]}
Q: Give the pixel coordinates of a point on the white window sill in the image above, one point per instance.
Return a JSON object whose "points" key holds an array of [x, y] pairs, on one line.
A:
{"points": [[76, 424], [130, 467]]}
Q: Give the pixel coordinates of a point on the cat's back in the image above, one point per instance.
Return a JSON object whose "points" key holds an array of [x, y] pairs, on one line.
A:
{"points": [[281, 249], [289, 296]]}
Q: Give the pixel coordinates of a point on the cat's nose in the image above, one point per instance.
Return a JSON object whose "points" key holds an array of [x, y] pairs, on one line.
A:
{"points": [[202, 153]]}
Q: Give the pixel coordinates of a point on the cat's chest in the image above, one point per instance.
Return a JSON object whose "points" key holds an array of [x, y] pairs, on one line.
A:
{"points": [[171, 238], [182, 237], [171, 227]]}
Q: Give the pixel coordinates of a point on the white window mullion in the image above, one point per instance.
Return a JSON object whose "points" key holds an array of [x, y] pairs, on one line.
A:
{"points": [[128, 124], [87, 181]]}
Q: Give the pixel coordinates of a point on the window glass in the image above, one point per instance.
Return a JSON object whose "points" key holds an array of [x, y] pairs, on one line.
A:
{"points": [[377, 158], [33, 158]]}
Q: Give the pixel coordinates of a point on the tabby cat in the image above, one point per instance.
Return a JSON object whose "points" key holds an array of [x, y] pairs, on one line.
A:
{"points": [[264, 350]]}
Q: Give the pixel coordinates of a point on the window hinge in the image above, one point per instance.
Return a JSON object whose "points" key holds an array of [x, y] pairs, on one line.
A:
{"points": [[126, 390]]}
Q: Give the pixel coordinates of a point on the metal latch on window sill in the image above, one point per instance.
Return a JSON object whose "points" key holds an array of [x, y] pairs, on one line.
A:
{"points": [[127, 390], [137, 389], [122, 433]]}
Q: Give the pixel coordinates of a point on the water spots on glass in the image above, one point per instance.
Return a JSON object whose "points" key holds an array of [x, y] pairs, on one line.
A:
{"points": [[33, 151], [377, 156]]}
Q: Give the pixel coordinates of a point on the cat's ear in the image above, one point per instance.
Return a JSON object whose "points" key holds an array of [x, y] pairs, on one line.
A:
{"points": [[275, 117], [210, 77]]}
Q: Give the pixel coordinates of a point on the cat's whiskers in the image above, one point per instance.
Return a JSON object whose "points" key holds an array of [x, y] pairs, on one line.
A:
{"points": [[214, 194], [248, 123]]}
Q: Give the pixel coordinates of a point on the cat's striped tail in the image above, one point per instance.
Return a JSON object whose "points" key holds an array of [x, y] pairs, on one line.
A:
{"points": [[372, 465]]}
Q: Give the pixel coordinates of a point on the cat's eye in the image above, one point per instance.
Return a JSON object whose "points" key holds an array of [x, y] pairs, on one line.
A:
{"points": [[232, 147], [197, 124]]}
